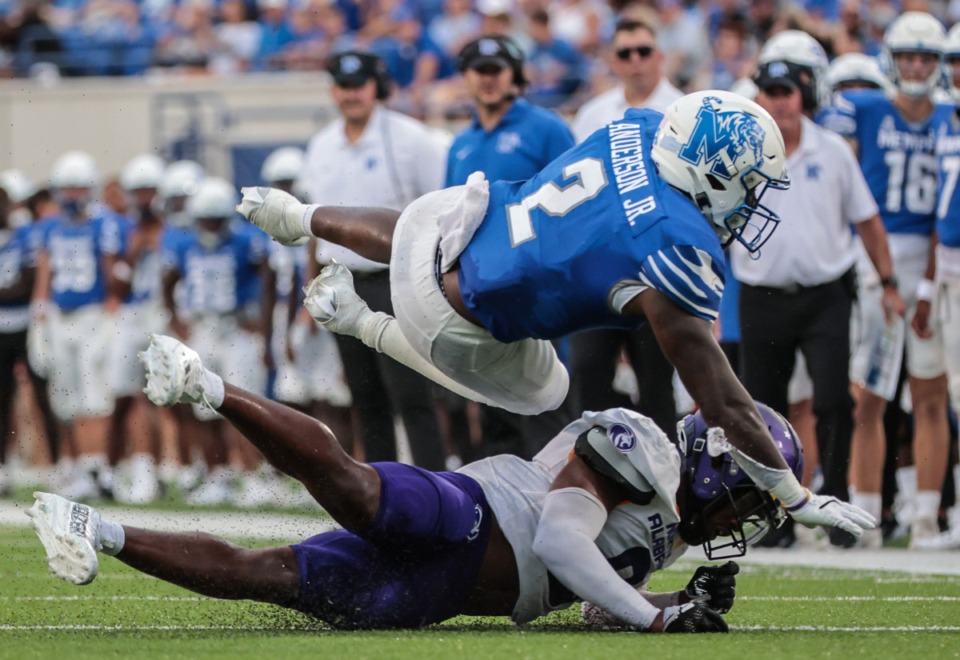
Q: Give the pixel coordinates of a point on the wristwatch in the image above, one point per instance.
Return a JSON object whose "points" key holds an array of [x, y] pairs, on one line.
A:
{"points": [[890, 282]]}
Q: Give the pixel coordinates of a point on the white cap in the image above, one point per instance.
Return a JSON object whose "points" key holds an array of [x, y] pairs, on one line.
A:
{"points": [[75, 169], [215, 198], [283, 164], [143, 171], [495, 7]]}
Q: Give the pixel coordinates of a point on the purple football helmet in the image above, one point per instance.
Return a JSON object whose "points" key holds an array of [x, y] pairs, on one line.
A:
{"points": [[718, 484]]}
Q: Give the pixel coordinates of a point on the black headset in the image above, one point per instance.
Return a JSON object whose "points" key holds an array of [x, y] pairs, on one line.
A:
{"points": [[371, 64], [508, 46]]}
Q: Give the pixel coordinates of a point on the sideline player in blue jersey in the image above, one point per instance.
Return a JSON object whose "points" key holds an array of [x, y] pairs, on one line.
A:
{"points": [[894, 136], [939, 298], [72, 285], [219, 264], [626, 227]]}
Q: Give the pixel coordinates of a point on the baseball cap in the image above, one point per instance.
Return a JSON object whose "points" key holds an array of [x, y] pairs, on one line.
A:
{"points": [[353, 68], [500, 51], [778, 74]]}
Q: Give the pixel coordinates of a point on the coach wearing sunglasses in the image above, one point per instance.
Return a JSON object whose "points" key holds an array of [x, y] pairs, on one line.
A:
{"points": [[637, 61]]}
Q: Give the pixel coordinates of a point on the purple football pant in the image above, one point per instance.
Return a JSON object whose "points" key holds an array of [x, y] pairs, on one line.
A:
{"points": [[416, 564]]}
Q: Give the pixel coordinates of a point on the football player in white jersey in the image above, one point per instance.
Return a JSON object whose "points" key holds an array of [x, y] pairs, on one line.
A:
{"points": [[606, 503]]}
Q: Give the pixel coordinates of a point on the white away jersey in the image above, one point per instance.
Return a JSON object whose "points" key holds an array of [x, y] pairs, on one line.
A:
{"points": [[636, 539]]}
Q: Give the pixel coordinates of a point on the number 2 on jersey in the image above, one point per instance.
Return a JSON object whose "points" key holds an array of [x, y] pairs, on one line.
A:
{"points": [[554, 200]]}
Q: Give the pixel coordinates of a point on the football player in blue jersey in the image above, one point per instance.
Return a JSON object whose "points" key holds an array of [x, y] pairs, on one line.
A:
{"points": [[219, 265], [937, 299], [608, 502], [135, 277], [625, 228], [17, 271], [72, 285], [894, 136]]}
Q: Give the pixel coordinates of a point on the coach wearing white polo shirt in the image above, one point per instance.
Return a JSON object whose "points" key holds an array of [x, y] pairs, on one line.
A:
{"points": [[373, 156], [799, 294]]}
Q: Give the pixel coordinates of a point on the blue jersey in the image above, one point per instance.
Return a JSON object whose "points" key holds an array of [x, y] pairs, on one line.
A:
{"points": [[896, 157], [551, 252], [222, 279], [16, 255], [526, 139], [948, 195], [76, 251]]}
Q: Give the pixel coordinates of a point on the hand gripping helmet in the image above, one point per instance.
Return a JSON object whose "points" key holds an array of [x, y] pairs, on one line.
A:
{"points": [[799, 49], [283, 164], [75, 169], [717, 484], [913, 32], [724, 152], [858, 68], [141, 172], [951, 58]]}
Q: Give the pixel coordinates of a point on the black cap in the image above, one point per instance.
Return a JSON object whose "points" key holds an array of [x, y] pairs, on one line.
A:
{"points": [[497, 50], [778, 74], [353, 68]]}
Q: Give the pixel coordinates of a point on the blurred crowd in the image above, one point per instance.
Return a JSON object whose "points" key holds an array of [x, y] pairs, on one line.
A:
{"points": [[707, 43]]}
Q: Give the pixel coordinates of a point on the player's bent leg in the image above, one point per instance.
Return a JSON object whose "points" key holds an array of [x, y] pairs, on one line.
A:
{"points": [[214, 567]]}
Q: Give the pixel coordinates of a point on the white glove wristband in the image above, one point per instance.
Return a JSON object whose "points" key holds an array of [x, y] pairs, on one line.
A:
{"points": [[213, 390], [306, 220], [925, 290]]}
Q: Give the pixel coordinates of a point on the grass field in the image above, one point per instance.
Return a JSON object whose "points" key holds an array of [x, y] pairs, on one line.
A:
{"points": [[780, 613]]}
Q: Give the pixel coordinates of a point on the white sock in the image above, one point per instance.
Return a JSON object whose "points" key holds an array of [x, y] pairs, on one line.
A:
{"points": [[907, 482], [927, 504], [869, 502], [112, 537]]}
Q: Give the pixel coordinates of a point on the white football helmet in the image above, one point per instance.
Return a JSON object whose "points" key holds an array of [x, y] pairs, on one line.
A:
{"points": [[180, 179], [913, 32], [75, 169], [856, 68], [951, 58], [799, 48], [17, 185], [283, 164], [143, 171], [724, 151], [215, 198]]}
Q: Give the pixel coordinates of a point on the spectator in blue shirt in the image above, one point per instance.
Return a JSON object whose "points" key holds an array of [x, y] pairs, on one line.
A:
{"points": [[509, 138], [556, 68]]}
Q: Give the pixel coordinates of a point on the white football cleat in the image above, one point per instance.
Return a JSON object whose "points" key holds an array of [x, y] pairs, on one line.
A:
{"points": [[333, 302], [276, 212], [174, 372], [70, 533]]}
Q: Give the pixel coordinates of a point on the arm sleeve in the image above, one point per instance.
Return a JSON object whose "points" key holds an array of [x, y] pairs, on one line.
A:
{"points": [[688, 276], [565, 541]]}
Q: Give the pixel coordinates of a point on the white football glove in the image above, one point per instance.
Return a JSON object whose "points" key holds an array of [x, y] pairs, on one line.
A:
{"points": [[175, 374], [276, 212], [333, 303], [828, 511]]}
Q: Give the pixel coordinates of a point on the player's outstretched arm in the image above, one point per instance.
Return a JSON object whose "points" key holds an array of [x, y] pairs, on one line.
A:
{"points": [[365, 230], [575, 511], [689, 344]]}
